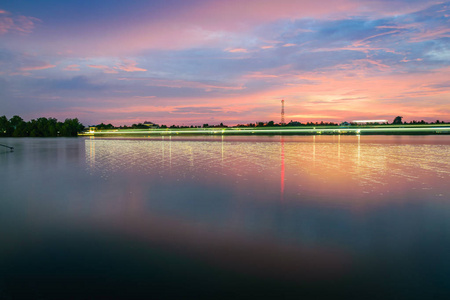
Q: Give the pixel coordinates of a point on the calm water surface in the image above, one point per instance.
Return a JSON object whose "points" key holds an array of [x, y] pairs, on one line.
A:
{"points": [[226, 217]]}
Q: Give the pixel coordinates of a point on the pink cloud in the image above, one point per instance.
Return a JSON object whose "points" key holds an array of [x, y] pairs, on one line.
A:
{"points": [[144, 97], [6, 24], [72, 68], [129, 66], [105, 69], [237, 50], [431, 34], [329, 95], [16, 23], [177, 83], [361, 87], [419, 33], [39, 67], [234, 14], [218, 23], [365, 40], [204, 24], [126, 109], [126, 65], [361, 47], [397, 26], [192, 84], [260, 75]]}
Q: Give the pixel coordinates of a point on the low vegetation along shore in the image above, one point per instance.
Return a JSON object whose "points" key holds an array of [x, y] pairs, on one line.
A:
{"points": [[51, 127]]}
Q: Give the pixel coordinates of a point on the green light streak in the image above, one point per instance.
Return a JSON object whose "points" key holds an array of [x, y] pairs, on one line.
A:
{"points": [[386, 129]]}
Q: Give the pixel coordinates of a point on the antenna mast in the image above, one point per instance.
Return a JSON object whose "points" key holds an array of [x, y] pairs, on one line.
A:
{"points": [[282, 112]]}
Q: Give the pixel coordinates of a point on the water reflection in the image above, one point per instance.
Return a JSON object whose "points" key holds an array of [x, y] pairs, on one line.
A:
{"points": [[282, 167], [162, 211], [230, 186], [340, 169]]}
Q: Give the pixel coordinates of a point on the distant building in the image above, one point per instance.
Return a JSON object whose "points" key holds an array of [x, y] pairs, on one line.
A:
{"points": [[345, 123], [370, 121]]}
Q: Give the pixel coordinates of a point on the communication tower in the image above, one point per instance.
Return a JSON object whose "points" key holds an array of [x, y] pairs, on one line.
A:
{"points": [[282, 111]]}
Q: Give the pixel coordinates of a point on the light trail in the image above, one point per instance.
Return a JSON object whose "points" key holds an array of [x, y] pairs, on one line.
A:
{"points": [[387, 129]]}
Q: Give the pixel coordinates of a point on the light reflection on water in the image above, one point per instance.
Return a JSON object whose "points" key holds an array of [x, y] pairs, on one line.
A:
{"points": [[313, 214], [344, 165]]}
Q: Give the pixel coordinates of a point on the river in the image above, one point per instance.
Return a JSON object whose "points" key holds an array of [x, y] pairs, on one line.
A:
{"points": [[354, 217]]}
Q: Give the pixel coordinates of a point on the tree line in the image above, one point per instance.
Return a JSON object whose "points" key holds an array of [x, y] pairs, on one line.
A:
{"points": [[41, 127]]}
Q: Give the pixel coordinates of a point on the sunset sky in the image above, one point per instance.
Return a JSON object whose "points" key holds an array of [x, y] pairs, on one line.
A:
{"points": [[232, 61]]}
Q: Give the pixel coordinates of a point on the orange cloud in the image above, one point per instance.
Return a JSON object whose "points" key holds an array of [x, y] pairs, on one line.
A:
{"points": [[129, 66], [351, 91]]}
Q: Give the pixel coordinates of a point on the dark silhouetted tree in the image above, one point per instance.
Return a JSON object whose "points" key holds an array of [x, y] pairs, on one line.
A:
{"points": [[397, 120], [42, 127], [5, 127]]}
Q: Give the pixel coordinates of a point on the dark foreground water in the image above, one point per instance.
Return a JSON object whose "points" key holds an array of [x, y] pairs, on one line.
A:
{"points": [[235, 217]]}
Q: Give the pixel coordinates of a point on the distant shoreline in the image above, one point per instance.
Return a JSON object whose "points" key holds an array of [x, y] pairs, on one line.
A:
{"points": [[430, 129]]}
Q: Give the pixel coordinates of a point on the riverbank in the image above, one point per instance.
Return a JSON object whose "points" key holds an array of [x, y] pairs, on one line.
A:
{"points": [[281, 130]]}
